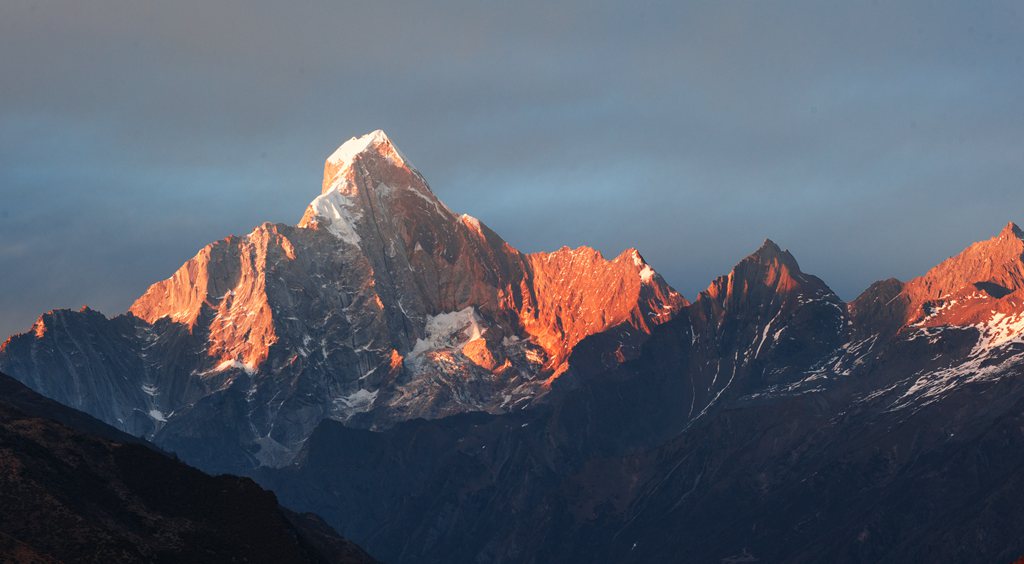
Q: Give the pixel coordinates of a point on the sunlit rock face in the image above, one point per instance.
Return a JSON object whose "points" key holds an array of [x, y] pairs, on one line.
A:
{"points": [[381, 305], [965, 289], [767, 421], [442, 397]]}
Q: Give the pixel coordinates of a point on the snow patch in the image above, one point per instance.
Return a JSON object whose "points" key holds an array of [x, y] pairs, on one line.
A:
{"points": [[230, 364], [157, 415], [764, 333], [472, 223], [1001, 330], [995, 352], [360, 400], [448, 330], [346, 153], [646, 274], [341, 214]]}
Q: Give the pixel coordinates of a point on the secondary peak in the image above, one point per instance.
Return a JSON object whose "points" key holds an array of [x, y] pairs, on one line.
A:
{"points": [[1012, 230]]}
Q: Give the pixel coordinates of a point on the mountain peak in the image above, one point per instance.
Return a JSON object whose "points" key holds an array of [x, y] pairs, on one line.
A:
{"points": [[644, 269], [1011, 230], [376, 141], [769, 267], [768, 249], [367, 177], [374, 146], [770, 253], [994, 267]]}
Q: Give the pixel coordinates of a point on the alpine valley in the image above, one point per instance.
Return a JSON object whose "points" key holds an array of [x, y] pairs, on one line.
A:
{"points": [[438, 396]]}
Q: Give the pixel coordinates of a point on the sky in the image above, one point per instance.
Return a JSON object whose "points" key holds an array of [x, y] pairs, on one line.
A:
{"points": [[871, 139]]}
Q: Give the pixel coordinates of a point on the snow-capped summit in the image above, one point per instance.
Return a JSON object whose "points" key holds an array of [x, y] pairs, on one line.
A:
{"points": [[375, 145], [355, 145], [369, 186], [375, 142], [381, 305]]}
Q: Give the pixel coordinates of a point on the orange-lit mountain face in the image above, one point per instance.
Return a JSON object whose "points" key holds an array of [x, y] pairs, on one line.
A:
{"points": [[578, 408], [977, 292], [426, 281], [381, 305], [767, 421], [966, 289]]}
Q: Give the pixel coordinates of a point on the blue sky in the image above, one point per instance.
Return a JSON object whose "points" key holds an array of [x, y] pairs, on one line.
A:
{"points": [[872, 139]]}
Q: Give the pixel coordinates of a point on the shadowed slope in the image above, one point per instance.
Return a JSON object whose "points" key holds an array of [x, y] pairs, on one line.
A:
{"points": [[76, 490]]}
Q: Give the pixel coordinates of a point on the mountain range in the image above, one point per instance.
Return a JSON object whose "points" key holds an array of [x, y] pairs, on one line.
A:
{"points": [[439, 396]]}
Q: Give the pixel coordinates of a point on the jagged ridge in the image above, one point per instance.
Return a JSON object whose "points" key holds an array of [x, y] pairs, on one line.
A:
{"points": [[381, 305]]}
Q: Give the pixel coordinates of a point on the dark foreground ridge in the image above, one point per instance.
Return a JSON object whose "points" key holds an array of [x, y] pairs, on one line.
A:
{"points": [[76, 490]]}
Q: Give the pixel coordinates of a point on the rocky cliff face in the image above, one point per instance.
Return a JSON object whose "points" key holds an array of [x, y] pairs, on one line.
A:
{"points": [[380, 306], [562, 406], [768, 421]]}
